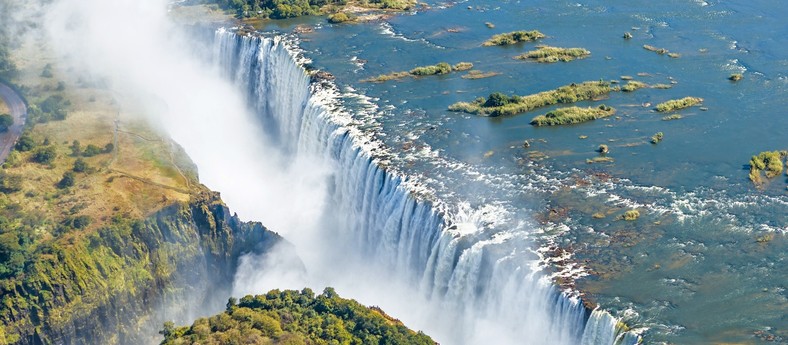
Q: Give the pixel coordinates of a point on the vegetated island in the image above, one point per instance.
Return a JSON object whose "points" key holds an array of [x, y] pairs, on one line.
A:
{"points": [[768, 163], [439, 69], [676, 104], [548, 54], [513, 37], [572, 115], [476, 74], [499, 104], [295, 317], [282, 9]]}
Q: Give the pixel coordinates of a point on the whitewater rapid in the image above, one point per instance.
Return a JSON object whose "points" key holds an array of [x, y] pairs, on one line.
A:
{"points": [[475, 286]]}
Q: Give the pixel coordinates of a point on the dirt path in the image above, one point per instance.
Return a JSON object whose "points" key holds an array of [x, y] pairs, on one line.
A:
{"points": [[19, 112]]}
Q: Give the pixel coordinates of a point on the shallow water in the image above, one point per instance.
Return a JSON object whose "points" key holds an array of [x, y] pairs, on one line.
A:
{"points": [[691, 269]]}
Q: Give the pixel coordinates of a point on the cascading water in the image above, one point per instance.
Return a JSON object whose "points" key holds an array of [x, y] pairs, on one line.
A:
{"points": [[479, 285]]}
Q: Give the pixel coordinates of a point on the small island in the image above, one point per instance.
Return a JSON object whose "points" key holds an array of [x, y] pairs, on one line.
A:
{"points": [[440, 68], [548, 54], [513, 38], [676, 104], [572, 115], [768, 163], [499, 104]]}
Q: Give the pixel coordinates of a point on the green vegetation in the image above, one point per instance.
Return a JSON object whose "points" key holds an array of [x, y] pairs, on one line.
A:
{"points": [[572, 115], [6, 121], [439, 69], [513, 38], [769, 163], [280, 9], [340, 17], [656, 138], [676, 104], [735, 77], [54, 107], [295, 317], [548, 54], [476, 74], [633, 85], [672, 117], [631, 215], [498, 104], [44, 155]]}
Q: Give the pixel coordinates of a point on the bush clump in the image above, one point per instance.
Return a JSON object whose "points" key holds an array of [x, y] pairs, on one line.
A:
{"points": [[548, 54], [340, 17], [656, 138], [440, 68], [676, 104], [572, 115], [631, 215], [519, 104], [770, 163], [513, 37]]}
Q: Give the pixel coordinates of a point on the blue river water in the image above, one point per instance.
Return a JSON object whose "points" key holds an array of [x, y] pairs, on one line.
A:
{"points": [[706, 260]]}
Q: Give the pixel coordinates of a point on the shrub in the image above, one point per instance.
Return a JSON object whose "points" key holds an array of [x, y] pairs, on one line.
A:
{"points": [[80, 165], [633, 85], [25, 143], [10, 183], [91, 150], [440, 68], [44, 155], [631, 215], [769, 162], [67, 180], [656, 138]]}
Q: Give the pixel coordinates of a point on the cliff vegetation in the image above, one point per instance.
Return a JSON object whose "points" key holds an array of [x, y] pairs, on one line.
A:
{"points": [[295, 317]]}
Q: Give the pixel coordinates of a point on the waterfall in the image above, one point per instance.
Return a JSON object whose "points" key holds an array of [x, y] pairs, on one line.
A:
{"points": [[479, 286]]}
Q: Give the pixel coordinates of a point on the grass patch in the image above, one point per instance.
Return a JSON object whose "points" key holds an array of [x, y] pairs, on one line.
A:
{"points": [[676, 104], [513, 38], [439, 69], [768, 163], [498, 104], [476, 74], [572, 115], [633, 85], [548, 54]]}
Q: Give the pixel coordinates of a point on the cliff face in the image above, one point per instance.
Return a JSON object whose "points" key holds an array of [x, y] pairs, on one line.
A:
{"points": [[118, 284]]}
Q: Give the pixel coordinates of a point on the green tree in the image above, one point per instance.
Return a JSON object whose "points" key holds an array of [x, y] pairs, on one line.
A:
{"points": [[25, 143], [91, 150], [6, 121], [76, 148]]}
